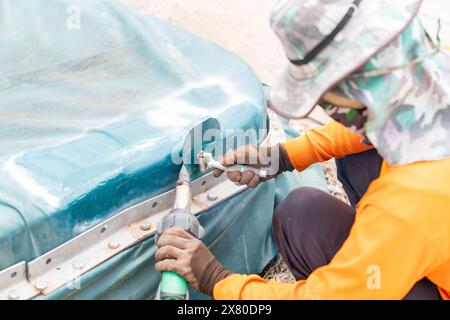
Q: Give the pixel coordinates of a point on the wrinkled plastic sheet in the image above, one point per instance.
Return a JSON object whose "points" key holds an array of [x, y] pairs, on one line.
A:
{"points": [[90, 116]]}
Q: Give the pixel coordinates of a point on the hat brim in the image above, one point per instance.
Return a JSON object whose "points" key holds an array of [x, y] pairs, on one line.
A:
{"points": [[375, 26]]}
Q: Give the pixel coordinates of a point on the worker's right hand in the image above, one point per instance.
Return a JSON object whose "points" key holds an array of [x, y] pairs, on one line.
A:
{"points": [[274, 160]]}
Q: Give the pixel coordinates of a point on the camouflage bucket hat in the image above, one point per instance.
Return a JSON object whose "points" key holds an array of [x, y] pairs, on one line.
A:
{"points": [[326, 40], [382, 57]]}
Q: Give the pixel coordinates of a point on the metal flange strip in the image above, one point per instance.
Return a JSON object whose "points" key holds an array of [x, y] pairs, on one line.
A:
{"points": [[67, 262]]}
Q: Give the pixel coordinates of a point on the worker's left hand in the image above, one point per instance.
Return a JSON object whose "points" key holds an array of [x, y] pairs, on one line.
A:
{"points": [[181, 252]]}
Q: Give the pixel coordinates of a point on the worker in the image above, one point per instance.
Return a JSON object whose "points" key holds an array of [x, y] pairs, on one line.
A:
{"points": [[385, 82]]}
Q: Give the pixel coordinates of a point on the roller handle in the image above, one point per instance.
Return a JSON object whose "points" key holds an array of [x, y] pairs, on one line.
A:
{"points": [[206, 161], [239, 168]]}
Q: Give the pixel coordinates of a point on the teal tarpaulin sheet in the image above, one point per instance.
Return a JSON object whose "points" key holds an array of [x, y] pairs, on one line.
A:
{"points": [[93, 96], [90, 116]]}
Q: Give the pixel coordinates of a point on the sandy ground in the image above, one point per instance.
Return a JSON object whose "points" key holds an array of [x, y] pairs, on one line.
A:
{"points": [[242, 26]]}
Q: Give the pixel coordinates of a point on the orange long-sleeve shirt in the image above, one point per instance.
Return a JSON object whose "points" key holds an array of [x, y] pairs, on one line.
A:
{"points": [[401, 232]]}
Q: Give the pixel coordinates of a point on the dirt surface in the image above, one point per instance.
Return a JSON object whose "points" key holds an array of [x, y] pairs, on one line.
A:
{"points": [[243, 28]]}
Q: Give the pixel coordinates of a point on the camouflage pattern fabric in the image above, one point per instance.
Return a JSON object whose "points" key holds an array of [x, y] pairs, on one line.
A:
{"points": [[408, 110], [407, 115]]}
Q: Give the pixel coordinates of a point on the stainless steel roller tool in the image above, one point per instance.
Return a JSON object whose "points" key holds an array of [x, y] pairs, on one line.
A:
{"points": [[206, 161]]}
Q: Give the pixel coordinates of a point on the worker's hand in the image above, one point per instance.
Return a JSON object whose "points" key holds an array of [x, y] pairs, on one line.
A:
{"points": [[181, 252], [273, 159]]}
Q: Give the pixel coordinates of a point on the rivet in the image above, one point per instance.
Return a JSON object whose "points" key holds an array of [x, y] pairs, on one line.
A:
{"points": [[40, 285], [113, 244], [146, 225], [212, 197], [14, 294], [78, 265]]}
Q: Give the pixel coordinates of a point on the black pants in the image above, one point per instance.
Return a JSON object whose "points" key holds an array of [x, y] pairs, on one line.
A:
{"points": [[310, 225]]}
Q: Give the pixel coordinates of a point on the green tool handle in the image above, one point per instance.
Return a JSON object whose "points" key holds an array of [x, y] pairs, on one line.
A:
{"points": [[173, 286]]}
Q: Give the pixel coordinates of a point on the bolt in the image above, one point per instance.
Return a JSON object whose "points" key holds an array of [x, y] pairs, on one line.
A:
{"points": [[212, 197], [78, 265], [40, 285], [14, 294], [146, 225], [113, 244]]}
